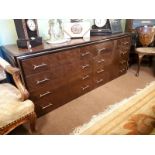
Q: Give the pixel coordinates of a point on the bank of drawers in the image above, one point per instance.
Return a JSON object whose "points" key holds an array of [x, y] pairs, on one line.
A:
{"points": [[47, 78], [123, 47], [57, 78]]}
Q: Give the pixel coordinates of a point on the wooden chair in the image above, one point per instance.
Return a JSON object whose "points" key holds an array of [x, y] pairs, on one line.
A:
{"points": [[15, 108], [146, 37]]}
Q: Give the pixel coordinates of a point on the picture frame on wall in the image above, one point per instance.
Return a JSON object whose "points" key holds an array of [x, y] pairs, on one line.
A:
{"points": [[132, 24], [116, 26]]}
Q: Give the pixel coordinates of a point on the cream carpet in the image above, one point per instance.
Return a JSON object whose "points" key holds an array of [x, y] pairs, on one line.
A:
{"points": [[132, 116], [79, 111]]}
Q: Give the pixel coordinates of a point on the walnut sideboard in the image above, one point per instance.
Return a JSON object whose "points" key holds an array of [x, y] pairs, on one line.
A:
{"points": [[57, 74]]}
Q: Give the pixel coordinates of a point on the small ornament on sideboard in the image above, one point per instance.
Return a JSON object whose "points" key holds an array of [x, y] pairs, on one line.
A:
{"points": [[103, 27], [100, 27], [27, 32]]}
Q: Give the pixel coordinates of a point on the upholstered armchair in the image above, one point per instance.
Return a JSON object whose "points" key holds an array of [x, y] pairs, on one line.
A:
{"points": [[15, 108]]}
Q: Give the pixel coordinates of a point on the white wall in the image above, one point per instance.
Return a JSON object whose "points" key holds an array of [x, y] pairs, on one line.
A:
{"points": [[8, 33]]}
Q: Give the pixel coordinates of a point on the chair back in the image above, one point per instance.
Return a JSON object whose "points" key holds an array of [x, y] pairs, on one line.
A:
{"points": [[146, 35]]}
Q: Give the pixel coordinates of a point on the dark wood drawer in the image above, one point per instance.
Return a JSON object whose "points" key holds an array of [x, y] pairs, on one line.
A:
{"points": [[86, 68], [102, 48], [99, 63], [124, 55], [40, 64], [53, 78], [47, 99], [126, 41], [101, 78], [48, 62], [80, 86], [38, 81], [122, 71], [124, 44], [123, 62], [85, 53]]}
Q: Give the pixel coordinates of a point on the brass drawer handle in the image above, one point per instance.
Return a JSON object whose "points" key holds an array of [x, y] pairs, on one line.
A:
{"points": [[39, 66], [123, 53], [84, 54], [86, 87], [42, 95], [123, 62], [101, 50], [125, 43], [85, 66], [100, 61], [85, 77], [41, 81], [50, 104], [122, 70], [100, 71], [99, 81]]}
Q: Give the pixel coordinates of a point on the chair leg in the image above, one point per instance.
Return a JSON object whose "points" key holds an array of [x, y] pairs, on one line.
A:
{"points": [[33, 123], [140, 56]]}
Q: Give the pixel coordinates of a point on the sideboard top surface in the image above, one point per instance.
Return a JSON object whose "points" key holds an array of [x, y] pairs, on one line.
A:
{"points": [[17, 52]]}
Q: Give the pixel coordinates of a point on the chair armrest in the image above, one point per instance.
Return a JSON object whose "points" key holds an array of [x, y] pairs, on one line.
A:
{"points": [[15, 72]]}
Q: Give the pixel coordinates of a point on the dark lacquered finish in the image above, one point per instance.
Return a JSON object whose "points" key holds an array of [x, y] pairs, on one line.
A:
{"points": [[55, 78]]}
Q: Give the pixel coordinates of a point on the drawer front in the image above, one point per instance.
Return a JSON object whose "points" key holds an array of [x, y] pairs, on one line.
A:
{"points": [[123, 48], [80, 86], [125, 42], [38, 81], [124, 55], [46, 99], [86, 68], [102, 48], [99, 64], [123, 69], [100, 78], [85, 53], [48, 62], [39, 64]]}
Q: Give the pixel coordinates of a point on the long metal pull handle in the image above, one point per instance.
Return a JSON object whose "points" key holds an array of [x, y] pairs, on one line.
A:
{"points": [[41, 81], [85, 66], [86, 87], [122, 70], [50, 104], [100, 61], [101, 50], [38, 66], [125, 43], [123, 53], [85, 77], [84, 54], [42, 95], [100, 71], [123, 62], [99, 81]]}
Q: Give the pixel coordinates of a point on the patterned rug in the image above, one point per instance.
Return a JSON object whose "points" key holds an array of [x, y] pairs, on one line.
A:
{"points": [[132, 116]]}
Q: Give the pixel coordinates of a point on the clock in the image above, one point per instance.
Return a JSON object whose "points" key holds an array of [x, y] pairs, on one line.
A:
{"points": [[100, 27], [76, 30], [27, 32], [31, 24], [100, 22]]}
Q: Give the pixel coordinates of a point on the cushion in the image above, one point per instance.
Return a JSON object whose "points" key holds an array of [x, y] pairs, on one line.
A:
{"points": [[11, 107]]}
